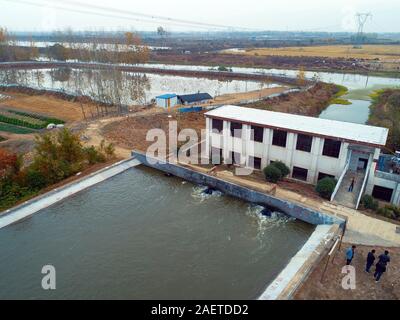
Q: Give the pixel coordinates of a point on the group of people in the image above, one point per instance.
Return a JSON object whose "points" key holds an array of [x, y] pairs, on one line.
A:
{"points": [[380, 267]]}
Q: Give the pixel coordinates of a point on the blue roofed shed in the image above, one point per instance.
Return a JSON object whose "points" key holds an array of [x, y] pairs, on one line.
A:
{"points": [[167, 100], [194, 98]]}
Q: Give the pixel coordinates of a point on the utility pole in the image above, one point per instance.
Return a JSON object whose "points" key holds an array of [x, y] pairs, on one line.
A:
{"points": [[361, 20]]}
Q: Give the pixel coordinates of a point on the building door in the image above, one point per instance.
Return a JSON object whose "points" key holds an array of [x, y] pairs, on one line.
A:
{"points": [[362, 164]]}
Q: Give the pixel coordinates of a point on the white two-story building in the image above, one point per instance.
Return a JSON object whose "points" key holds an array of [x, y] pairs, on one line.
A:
{"points": [[312, 148]]}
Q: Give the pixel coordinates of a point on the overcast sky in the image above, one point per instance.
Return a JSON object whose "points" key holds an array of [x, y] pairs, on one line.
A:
{"points": [[306, 15]]}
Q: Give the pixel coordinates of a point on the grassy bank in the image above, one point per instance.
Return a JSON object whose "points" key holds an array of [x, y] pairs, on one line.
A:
{"points": [[309, 103], [385, 112]]}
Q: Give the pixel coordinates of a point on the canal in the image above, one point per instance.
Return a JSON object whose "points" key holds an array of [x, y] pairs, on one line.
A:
{"points": [[142, 235]]}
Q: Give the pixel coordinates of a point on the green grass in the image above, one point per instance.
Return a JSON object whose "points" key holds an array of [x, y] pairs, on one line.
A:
{"points": [[342, 90], [14, 129], [340, 101]]}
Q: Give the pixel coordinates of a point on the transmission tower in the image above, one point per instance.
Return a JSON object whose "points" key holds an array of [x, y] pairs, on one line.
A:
{"points": [[362, 18]]}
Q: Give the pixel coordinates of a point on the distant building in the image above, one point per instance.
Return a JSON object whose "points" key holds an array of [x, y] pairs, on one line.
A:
{"points": [[167, 100], [196, 98], [312, 148]]}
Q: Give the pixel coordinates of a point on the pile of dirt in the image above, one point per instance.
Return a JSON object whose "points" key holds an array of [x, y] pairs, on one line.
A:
{"points": [[309, 103]]}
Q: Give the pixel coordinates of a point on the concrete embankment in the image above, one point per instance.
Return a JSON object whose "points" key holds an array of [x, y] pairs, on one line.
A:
{"points": [[302, 264], [221, 75], [32, 206], [297, 211]]}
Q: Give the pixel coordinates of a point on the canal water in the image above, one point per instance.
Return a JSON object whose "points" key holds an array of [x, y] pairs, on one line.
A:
{"points": [[360, 87], [142, 235], [135, 88]]}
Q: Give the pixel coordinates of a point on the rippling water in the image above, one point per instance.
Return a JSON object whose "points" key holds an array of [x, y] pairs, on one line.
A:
{"points": [[142, 235]]}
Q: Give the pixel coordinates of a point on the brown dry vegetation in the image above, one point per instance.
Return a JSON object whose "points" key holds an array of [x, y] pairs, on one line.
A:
{"points": [[382, 52], [131, 132], [47, 105], [366, 288], [309, 103]]}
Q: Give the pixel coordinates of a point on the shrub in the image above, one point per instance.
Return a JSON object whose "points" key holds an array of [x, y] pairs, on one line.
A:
{"points": [[325, 187], [369, 202], [390, 211], [93, 155], [283, 168], [35, 180], [272, 173]]}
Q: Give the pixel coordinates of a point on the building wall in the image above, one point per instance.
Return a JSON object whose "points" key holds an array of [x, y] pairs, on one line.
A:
{"points": [[384, 180], [313, 161], [163, 103]]}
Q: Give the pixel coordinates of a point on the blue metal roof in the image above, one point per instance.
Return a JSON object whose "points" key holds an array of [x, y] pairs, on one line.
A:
{"points": [[194, 97], [167, 96]]}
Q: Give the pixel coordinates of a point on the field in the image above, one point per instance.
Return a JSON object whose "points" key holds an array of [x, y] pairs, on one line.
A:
{"points": [[381, 52], [52, 107], [5, 127]]}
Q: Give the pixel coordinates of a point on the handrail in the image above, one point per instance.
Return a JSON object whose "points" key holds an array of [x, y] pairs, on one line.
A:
{"points": [[364, 182], [341, 177]]}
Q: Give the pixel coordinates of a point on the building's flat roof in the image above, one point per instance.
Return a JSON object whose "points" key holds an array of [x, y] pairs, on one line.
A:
{"points": [[350, 132], [167, 96], [195, 97]]}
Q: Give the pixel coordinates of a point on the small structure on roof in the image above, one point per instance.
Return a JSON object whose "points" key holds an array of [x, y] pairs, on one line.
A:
{"points": [[195, 98], [167, 100]]}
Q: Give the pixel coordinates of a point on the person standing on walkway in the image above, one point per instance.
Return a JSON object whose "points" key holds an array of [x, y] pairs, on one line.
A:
{"points": [[381, 266], [353, 181], [350, 254], [370, 260]]}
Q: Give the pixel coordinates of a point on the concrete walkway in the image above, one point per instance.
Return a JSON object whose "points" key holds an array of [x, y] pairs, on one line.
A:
{"points": [[361, 229]]}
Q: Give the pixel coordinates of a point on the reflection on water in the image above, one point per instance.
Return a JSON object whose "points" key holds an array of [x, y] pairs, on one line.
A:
{"points": [[141, 235], [130, 88]]}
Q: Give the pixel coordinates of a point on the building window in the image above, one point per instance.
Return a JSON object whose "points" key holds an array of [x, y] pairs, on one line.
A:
{"points": [[299, 173], [235, 158], [331, 148], [217, 125], [236, 129], [322, 175], [382, 193], [279, 138], [304, 142], [255, 162], [216, 155], [257, 134]]}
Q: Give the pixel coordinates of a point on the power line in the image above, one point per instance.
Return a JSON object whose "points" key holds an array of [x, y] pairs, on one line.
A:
{"points": [[126, 15], [160, 18]]}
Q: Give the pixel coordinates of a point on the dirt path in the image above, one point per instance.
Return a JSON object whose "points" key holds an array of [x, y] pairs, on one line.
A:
{"points": [[94, 133], [366, 288], [246, 97]]}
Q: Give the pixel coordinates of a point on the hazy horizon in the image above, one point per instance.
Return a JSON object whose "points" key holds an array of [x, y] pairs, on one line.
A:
{"points": [[287, 15]]}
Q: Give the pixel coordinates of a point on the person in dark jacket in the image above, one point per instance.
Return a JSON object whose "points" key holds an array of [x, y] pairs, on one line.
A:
{"points": [[384, 259], [370, 260]]}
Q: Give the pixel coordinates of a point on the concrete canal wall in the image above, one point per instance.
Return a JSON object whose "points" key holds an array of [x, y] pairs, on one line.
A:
{"points": [[291, 278], [297, 211], [302, 264], [32, 206]]}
